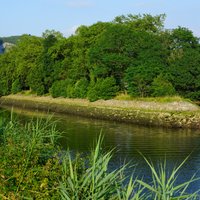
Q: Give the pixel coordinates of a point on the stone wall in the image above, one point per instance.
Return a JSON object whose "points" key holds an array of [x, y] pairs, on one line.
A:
{"points": [[176, 119]]}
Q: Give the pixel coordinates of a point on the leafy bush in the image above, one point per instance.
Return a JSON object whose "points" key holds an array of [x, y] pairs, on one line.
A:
{"points": [[162, 87], [102, 89], [59, 89], [66, 88], [34, 169], [81, 88], [16, 86], [139, 79], [4, 90]]}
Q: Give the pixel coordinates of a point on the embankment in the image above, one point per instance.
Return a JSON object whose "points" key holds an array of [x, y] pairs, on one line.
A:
{"points": [[173, 114]]}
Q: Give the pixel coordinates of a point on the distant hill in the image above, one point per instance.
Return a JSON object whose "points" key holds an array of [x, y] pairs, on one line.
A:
{"points": [[10, 39], [1, 48], [7, 42]]}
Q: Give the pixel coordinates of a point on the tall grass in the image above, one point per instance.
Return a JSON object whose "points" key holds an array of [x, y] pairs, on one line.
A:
{"points": [[33, 166], [27, 153], [164, 186], [94, 181]]}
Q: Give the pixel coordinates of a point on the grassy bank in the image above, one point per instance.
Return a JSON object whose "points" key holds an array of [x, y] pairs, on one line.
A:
{"points": [[178, 113], [34, 167]]}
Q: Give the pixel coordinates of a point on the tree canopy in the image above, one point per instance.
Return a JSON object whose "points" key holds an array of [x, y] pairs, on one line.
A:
{"points": [[134, 54]]}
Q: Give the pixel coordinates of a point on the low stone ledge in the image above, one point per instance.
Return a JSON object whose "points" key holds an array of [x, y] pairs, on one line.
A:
{"points": [[176, 119]]}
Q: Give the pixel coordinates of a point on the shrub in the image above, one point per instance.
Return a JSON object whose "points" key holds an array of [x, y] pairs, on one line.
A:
{"points": [[139, 79], [4, 89], [81, 88], [16, 86], [162, 87], [59, 88], [102, 89], [34, 169], [40, 90]]}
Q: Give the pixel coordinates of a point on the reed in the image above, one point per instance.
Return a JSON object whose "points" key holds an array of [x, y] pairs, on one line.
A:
{"points": [[34, 167], [95, 181], [27, 153], [164, 186]]}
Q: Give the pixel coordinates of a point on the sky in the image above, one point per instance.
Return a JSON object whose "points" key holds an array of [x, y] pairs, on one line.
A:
{"points": [[35, 16]]}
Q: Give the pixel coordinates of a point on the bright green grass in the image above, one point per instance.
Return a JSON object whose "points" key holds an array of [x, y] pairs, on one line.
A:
{"points": [[166, 99]]}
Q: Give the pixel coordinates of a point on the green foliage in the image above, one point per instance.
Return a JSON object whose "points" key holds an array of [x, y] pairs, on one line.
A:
{"points": [[59, 88], [113, 52], [164, 185], [185, 74], [16, 86], [102, 89], [81, 88], [34, 167], [140, 78], [184, 38], [3, 88], [91, 179], [133, 49], [124, 97], [66, 88], [145, 22], [162, 87], [54, 33]]}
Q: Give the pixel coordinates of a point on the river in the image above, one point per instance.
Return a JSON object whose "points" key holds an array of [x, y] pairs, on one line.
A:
{"points": [[129, 142]]}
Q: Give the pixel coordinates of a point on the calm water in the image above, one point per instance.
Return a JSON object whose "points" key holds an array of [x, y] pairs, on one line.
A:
{"points": [[157, 144]]}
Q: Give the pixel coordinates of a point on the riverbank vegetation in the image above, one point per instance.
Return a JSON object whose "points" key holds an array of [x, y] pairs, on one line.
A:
{"points": [[132, 55], [34, 166]]}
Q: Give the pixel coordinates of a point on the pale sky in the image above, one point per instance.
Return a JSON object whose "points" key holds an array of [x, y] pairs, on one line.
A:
{"points": [[35, 16]]}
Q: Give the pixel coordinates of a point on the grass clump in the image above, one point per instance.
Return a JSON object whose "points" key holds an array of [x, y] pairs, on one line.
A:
{"points": [[33, 166], [164, 99], [94, 180], [164, 186], [29, 161], [124, 97]]}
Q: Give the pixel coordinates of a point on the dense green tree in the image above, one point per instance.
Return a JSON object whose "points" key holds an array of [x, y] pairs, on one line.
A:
{"points": [[184, 62], [56, 34], [139, 79], [7, 70], [61, 88], [85, 37], [27, 51], [49, 59], [183, 38], [145, 22], [81, 88], [35, 79], [162, 87], [185, 73], [102, 89], [113, 53], [133, 53]]}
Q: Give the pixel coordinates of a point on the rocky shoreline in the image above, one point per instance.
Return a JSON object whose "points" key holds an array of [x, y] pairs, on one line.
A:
{"points": [[172, 114]]}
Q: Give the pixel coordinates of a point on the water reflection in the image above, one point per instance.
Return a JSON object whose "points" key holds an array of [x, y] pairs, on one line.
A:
{"points": [[130, 141]]}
